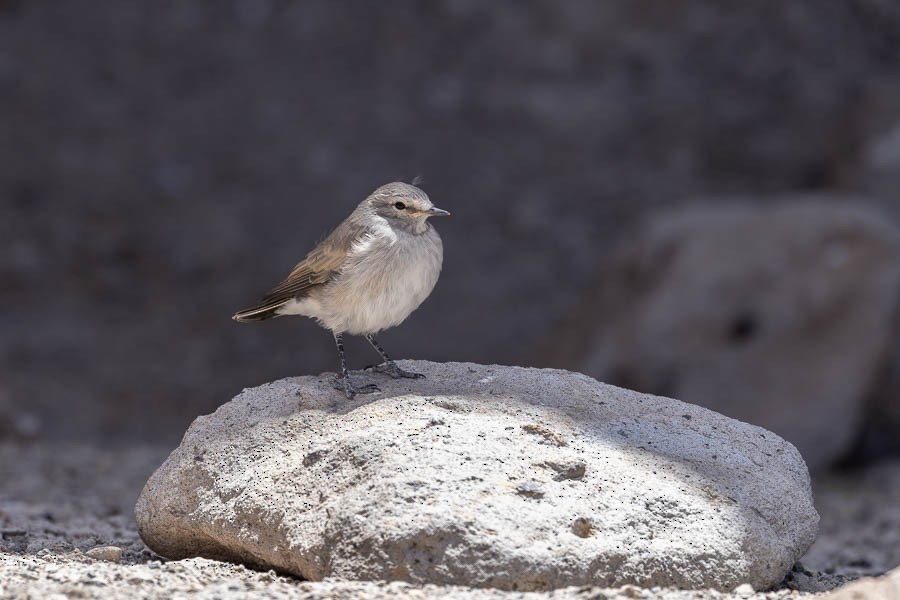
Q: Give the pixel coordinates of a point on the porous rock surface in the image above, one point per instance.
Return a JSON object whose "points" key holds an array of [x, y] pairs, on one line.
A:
{"points": [[485, 476]]}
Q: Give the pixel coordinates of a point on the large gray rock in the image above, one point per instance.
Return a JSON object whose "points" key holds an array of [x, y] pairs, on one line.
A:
{"points": [[484, 476], [783, 316]]}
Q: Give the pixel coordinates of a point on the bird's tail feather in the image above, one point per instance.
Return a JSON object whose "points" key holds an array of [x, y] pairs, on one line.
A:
{"points": [[258, 313]]}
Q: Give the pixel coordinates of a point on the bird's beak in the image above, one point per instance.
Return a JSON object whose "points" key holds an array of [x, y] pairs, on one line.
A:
{"points": [[437, 212]]}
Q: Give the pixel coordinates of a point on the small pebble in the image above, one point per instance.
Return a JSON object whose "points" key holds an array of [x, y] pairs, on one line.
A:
{"points": [[745, 589], [530, 489], [630, 591], [108, 553], [582, 527]]}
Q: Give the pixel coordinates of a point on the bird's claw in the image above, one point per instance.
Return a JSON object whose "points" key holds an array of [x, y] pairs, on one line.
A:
{"points": [[392, 370], [343, 384]]}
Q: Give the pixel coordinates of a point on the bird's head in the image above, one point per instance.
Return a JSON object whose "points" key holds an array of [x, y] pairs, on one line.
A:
{"points": [[404, 206]]}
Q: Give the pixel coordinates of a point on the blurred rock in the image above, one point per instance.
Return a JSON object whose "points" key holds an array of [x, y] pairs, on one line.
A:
{"points": [[881, 165], [884, 151], [878, 588], [485, 476], [16, 423], [783, 316]]}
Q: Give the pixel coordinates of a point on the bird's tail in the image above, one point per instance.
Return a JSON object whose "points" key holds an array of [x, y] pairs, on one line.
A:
{"points": [[259, 313]]}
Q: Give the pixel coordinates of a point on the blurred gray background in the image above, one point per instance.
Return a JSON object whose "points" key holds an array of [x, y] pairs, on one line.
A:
{"points": [[162, 164]]}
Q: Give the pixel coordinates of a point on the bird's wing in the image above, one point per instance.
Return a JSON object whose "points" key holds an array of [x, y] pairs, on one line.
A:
{"points": [[321, 265]]}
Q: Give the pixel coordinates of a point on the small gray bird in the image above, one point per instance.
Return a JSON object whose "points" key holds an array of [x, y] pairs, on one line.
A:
{"points": [[376, 268]]}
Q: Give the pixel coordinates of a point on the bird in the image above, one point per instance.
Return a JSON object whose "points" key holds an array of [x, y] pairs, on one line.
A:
{"points": [[367, 275]]}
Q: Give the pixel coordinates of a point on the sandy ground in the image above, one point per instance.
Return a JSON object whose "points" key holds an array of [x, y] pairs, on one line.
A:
{"points": [[59, 502]]}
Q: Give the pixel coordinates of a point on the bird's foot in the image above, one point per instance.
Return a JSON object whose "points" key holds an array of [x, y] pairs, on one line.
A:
{"points": [[391, 369], [343, 384]]}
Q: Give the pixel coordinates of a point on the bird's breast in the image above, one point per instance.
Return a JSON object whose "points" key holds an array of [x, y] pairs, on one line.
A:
{"points": [[384, 280]]}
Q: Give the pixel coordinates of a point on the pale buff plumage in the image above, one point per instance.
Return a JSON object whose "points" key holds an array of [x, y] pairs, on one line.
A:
{"points": [[374, 269]]}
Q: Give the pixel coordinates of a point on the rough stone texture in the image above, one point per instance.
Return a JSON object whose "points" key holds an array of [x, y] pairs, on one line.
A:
{"points": [[72, 575], [881, 588], [486, 476], [57, 499], [783, 316]]}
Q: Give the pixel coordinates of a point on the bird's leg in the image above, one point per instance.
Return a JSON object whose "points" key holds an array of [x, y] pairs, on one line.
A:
{"points": [[389, 367], [343, 382]]}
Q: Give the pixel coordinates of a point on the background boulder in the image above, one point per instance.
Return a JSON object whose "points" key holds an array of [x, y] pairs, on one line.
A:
{"points": [[784, 316]]}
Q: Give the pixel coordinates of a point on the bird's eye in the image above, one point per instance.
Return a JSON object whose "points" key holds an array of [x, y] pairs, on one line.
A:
{"points": [[399, 205]]}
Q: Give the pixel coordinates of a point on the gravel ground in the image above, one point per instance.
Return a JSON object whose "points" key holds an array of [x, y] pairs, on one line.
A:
{"points": [[859, 531], [57, 503]]}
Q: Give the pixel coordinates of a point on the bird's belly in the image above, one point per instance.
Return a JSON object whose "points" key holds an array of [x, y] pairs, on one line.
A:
{"points": [[380, 292]]}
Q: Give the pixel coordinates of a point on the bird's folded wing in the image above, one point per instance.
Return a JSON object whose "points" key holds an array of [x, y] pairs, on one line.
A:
{"points": [[320, 266]]}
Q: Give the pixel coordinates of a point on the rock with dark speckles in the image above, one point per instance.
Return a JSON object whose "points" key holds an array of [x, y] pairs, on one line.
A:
{"points": [[485, 476]]}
